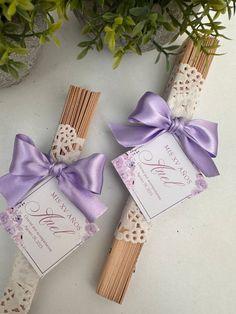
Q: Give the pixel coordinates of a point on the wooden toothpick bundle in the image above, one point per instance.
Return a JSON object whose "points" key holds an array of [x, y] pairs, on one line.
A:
{"points": [[188, 75]]}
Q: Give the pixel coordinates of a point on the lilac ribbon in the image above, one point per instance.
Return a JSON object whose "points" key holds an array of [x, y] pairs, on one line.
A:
{"points": [[198, 138], [80, 182]]}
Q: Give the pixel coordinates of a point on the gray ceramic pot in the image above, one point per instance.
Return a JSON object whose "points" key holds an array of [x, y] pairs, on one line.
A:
{"points": [[33, 46], [162, 35]]}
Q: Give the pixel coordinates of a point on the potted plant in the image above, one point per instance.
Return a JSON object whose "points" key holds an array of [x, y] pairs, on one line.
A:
{"points": [[138, 25], [24, 26]]}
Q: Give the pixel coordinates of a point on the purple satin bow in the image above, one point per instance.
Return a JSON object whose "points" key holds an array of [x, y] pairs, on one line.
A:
{"points": [[80, 182], [198, 138]]}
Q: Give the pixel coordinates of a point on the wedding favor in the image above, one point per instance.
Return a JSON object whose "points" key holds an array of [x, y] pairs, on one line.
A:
{"points": [[164, 168], [55, 216], [53, 200], [171, 157]]}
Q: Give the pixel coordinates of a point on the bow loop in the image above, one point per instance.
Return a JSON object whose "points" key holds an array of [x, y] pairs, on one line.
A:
{"points": [[80, 182], [198, 138], [94, 165], [27, 160], [148, 113], [207, 132]]}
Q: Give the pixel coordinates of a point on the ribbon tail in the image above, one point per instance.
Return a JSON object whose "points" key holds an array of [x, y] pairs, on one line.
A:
{"points": [[92, 206], [87, 172], [13, 188], [200, 158], [87, 202], [133, 135]]}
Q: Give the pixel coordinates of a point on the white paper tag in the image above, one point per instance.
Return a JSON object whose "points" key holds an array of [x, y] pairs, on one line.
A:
{"points": [[159, 175], [46, 226]]}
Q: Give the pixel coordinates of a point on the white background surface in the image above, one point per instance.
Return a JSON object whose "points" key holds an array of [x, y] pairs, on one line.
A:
{"points": [[189, 264]]}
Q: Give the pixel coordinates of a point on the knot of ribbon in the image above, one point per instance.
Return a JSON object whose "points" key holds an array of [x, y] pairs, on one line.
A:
{"points": [[81, 182], [56, 168], [152, 117]]}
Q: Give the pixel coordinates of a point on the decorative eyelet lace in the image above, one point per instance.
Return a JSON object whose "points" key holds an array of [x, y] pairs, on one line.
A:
{"points": [[67, 145], [182, 95], [183, 90], [133, 226], [21, 288]]}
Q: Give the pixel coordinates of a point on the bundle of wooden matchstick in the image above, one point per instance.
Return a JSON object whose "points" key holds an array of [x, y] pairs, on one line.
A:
{"points": [[189, 73], [79, 108], [78, 111]]}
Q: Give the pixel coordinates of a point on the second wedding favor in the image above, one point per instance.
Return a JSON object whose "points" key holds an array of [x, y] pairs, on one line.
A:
{"points": [[171, 156]]}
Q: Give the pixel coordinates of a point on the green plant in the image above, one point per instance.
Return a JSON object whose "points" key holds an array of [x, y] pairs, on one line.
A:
{"points": [[134, 23], [17, 22]]}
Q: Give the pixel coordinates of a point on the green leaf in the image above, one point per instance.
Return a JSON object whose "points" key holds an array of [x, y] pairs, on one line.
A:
{"points": [[4, 58], [129, 21], [108, 29], [83, 53], [138, 50], [171, 48], [12, 71], [118, 20], [99, 45], [85, 43], [87, 29], [12, 9], [158, 57], [19, 65], [217, 5], [146, 37], [42, 39], [108, 16], [139, 11], [109, 38], [18, 50], [11, 27], [55, 27], [56, 40], [169, 27], [138, 28], [112, 42], [117, 61], [167, 64], [25, 5], [24, 14]]}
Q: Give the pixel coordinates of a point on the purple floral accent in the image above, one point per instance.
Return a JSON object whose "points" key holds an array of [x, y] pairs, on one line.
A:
{"points": [[118, 162], [10, 230], [4, 218], [11, 220], [91, 229], [125, 165], [131, 164], [18, 218], [17, 238], [200, 184], [125, 156]]}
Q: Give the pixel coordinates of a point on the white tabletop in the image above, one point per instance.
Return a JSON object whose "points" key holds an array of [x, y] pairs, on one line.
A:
{"points": [[189, 264]]}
